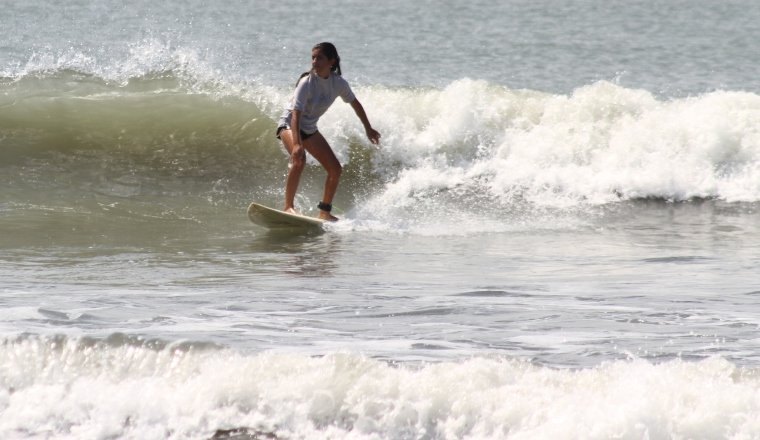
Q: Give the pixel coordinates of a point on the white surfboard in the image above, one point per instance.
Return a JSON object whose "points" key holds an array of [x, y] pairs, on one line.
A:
{"points": [[275, 219]]}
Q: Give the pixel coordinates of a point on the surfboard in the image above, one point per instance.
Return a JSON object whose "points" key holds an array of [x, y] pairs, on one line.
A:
{"points": [[275, 219]]}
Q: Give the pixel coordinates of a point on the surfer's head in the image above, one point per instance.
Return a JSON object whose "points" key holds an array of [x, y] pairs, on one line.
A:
{"points": [[330, 52], [323, 53]]}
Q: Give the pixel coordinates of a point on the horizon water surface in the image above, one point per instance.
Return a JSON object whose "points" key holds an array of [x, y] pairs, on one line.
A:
{"points": [[558, 236]]}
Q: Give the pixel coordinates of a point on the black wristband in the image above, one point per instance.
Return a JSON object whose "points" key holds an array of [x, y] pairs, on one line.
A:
{"points": [[324, 206]]}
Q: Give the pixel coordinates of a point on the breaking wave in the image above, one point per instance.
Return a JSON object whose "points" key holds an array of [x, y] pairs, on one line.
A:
{"points": [[471, 142]]}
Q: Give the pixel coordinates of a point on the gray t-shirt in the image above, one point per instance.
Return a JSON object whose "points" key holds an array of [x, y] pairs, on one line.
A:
{"points": [[313, 96]]}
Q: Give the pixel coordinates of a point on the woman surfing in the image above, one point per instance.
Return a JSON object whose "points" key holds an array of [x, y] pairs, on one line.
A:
{"points": [[315, 92]]}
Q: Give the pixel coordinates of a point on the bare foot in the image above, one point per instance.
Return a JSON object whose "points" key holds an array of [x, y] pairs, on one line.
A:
{"points": [[327, 216], [291, 211]]}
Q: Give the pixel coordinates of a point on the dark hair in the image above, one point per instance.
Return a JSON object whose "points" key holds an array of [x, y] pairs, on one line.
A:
{"points": [[331, 53]]}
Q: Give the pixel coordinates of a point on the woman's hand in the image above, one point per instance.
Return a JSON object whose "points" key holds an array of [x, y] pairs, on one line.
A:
{"points": [[297, 156], [373, 135]]}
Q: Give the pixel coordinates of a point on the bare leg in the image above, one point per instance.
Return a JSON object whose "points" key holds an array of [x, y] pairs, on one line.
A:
{"points": [[318, 147], [295, 168]]}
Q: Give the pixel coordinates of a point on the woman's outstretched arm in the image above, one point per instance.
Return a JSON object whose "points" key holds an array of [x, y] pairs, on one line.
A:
{"points": [[372, 134]]}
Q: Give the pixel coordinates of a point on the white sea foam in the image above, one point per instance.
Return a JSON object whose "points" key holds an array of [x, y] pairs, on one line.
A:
{"points": [[601, 144], [61, 388]]}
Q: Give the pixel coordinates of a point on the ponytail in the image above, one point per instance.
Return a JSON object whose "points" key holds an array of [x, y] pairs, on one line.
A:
{"points": [[301, 77]]}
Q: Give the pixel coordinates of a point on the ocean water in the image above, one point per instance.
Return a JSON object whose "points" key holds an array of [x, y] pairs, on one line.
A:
{"points": [[558, 237]]}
